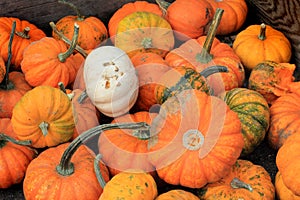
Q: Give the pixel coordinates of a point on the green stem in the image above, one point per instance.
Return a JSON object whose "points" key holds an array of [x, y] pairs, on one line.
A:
{"points": [[83, 95], [205, 56], [262, 34], [212, 70], [65, 167], [44, 128], [98, 171], [63, 56], [163, 5], [237, 184], [66, 40], [147, 43], [6, 138], [5, 83], [72, 6]]}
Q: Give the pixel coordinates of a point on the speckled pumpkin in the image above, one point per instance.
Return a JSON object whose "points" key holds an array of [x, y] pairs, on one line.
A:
{"points": [[177, 194], [254, 114], [244, 181]]}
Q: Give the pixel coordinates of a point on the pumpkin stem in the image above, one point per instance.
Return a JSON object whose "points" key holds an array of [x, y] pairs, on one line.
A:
{"points": [[237, 184], [147, 43], [65, 167], [62, 87], [63, 56], [82, 97], [98, 171], [262, 34], [163, 5], [24, 33], [205, 56], [212, 70], [44, 128], [72, 6], [66, 40], [6, 138], [6, 84]]}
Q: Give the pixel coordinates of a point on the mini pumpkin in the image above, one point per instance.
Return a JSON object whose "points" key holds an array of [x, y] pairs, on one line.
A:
{"points": [[144, 32], [282, 192], [111, 80], [208, 51], [196, 139], [258, 43], [92, 31], [254, 114], [25, 34], [15, 155], [128, 8], [44, 115], [177, 194], [48, 62], [288, 163], [244, 181], [130, 185]]}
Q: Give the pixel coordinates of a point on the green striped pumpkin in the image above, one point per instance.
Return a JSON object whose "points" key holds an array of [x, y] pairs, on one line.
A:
{"points": [[254, 114]]}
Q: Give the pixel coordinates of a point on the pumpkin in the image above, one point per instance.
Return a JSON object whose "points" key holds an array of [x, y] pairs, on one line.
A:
{"points": [[43, 115], [130, 186], [127, 9], [125, 149], [244, 181], [189, 19], [254, 114], [182, 78], [272, 79], [111, 80], [288, 163], [177, 194], [208, 51], [196, 139], [85, 113], [258, 43], [15, 156], [284, 119], [2, 69], [234, 17], [52, 63], [150, 67], [25, 34], [282, 192], [144, 32], [92, 31]]}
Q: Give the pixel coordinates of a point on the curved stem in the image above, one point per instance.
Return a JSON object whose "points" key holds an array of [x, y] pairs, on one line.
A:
{"points": [[62, 87], [4, 137], [262, 34], [63, 56], [65, 167], [24, 33], [163, 5], [212, 70], [98, 171], [83, 95], [205, 56], [66, 40], [44, 128], [237, 184], [71, 5]]}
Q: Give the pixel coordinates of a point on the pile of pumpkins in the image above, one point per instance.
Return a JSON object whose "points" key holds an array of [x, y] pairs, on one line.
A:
{"points": [[165, 100]]}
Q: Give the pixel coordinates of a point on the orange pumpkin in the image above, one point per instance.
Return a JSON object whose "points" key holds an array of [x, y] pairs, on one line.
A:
{"points": [[128, 8], [258, 43], [282, 192], [48, 62], [177, 194], [196, 139], [2, 69], [26, 33], [288, 163], [92, 31]]}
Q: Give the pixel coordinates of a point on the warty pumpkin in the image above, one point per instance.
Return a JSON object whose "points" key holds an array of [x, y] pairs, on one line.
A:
{"points": [[144, 32], [254, 114], [258, 43], [189, 19], [49, 61], [15, 155], [92, 31], [111, 80], [128, 8], [196, 139], [288, 163], [177, 194], [44, 115], [285, 119], [244, 181], [25, 34], [130, 185], [282, 192], [208, 51]]}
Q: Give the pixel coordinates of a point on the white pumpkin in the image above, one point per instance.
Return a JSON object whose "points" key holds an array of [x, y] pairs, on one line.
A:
{"points": [[111, 80]]}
